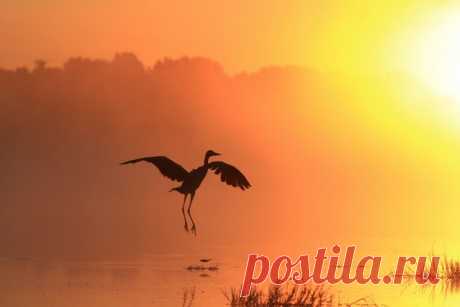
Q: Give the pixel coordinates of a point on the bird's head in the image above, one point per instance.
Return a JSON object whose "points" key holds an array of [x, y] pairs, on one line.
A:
{"points": [[211, 153], [208, 155]]}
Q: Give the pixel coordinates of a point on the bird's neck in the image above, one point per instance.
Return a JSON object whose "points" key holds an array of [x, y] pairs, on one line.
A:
{"points": [[206, 160]]}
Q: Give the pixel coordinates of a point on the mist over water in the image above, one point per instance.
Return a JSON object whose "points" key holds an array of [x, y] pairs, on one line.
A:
{"points": [[326, 169]]}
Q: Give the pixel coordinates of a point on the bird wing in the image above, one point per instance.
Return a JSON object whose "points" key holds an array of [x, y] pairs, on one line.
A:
{"points": [[229, 174], [166, 166]]}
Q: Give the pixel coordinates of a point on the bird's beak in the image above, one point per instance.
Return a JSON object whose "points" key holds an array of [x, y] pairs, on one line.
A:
{"points": [[217, 154]]}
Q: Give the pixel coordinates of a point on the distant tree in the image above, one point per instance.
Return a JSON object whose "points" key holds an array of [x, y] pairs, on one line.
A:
{"points": [[23, 70], [85, 66], [40, 65], [127, 63]]}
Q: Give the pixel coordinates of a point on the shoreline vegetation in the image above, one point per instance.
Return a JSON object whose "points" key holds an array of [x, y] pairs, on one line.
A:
{"points": [[293, 295], [449, 275], [314, 295]]}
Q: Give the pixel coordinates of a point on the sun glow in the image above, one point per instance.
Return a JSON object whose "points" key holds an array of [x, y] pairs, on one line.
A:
{"points": [[435, 56]]}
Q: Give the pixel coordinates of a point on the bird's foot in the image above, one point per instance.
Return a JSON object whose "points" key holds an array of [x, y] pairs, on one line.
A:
{"points": [[186, 227], [193, 230]]}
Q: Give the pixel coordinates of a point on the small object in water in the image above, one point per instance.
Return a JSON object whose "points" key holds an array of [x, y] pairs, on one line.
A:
{"points": [[205, 260], [196, 268], [204, 275], [202, 268]]}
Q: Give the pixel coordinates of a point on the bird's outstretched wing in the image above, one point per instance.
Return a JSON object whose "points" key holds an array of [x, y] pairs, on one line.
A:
{"points": [[229, 174], [167, 167]]}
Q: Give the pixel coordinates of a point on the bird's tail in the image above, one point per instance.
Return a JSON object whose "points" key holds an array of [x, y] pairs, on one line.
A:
{"points": [[176, 189]]}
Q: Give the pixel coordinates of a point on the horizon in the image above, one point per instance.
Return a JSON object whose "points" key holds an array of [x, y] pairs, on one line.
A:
{"points": [[357, 36], [31, 66]]}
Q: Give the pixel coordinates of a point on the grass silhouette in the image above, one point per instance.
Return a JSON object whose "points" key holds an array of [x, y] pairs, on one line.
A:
{"points": [[280, 296], [450, 274]]}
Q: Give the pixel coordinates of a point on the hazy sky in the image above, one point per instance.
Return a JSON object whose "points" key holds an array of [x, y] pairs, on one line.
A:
{"points": [[242, 35], [323, 150]]}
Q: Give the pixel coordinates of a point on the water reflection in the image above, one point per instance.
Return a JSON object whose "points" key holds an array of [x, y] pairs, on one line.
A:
{"points": [[188, 297], [181, 280]]}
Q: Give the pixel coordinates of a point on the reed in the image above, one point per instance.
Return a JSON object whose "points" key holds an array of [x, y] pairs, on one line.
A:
{"points": [[282, 296]]}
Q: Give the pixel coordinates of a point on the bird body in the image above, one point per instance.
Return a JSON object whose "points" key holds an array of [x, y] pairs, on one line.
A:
{"points": [[192, 180]]}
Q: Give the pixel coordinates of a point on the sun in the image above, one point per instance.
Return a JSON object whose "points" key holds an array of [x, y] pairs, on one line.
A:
{"points": [[435, 56]]}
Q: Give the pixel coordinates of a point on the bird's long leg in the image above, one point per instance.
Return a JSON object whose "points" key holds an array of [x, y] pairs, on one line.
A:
{"points": [[193, 229], [183, 213]]}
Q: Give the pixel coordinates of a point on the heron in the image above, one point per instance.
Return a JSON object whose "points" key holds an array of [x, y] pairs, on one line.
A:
{"points": [[192, 180]]}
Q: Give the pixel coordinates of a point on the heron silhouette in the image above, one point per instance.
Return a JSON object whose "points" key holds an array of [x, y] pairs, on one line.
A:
{"points": [[192, 180]]}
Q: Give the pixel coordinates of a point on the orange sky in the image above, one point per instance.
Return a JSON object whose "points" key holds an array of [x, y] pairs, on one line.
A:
{"points": [[349, 36], [242, 35]]}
